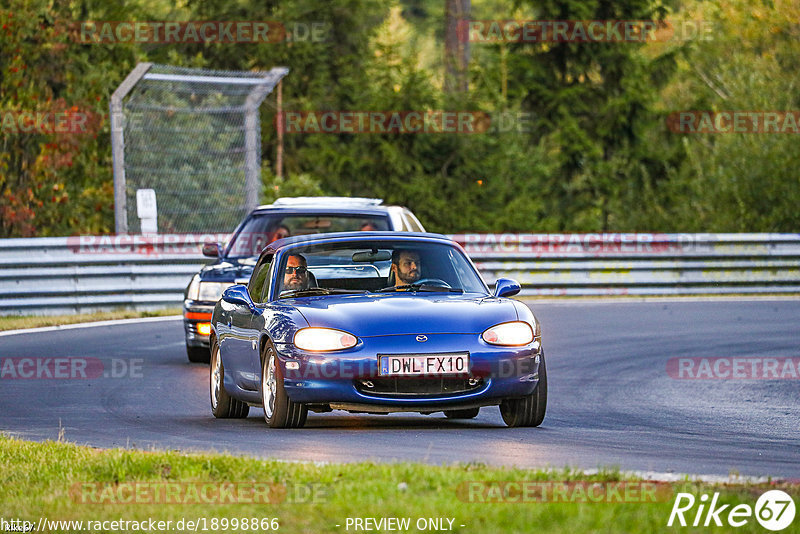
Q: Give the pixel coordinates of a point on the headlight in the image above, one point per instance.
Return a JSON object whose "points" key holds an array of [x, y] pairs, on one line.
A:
{"points": [[194, 288], [206, 291], [323, 339], [512, 334], [212, 291]]}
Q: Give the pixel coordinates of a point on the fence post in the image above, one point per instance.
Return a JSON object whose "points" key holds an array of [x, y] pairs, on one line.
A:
{"points": [[118, 145]]}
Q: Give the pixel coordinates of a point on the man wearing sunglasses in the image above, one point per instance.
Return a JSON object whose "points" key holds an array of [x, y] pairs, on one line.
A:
{"points": [[295, 276]]}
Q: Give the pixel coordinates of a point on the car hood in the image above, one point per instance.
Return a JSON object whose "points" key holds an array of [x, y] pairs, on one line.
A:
{"points": [[418, 313], [228, 270]]}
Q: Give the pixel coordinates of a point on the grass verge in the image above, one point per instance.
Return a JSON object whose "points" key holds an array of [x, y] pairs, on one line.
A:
{"points": [[15, 322], [65, 482]]}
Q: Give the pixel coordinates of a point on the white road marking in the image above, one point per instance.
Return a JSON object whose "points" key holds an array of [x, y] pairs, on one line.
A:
{"points": [[90, 325]]}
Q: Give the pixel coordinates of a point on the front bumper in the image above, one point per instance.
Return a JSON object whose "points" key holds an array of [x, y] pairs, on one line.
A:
{"points": [[342, 379], [195, 314]]}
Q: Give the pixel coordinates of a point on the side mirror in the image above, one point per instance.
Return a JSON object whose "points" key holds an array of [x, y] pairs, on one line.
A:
{"points": [[238, 294], [212, 250], [505, 287]]}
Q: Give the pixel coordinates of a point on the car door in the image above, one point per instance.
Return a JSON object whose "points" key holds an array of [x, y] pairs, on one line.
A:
{"points": [[259, 288], [236, 345], [240, 342]]}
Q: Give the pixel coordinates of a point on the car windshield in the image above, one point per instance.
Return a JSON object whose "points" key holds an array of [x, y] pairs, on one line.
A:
{"points": [[262, 229], [380, 266]]}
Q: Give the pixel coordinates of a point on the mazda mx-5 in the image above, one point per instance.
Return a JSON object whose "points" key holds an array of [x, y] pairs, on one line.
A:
{"points": [[374, 322]]}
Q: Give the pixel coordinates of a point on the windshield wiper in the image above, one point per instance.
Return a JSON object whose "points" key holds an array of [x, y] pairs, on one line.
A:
{"points": [[318, 291], [420, 287]]}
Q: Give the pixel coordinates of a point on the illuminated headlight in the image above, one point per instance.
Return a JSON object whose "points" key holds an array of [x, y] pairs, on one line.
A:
{"points": [[511, 334], [323, 339]]}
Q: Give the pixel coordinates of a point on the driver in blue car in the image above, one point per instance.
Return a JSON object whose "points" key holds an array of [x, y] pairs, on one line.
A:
{"points": [[295, 275], [406, 267]]}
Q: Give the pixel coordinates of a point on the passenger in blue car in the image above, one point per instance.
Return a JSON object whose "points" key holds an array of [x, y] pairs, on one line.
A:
{"points": [[406, 266], [295, 276]]}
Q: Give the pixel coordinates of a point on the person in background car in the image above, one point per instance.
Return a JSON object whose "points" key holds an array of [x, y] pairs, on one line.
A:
{"points": [[280, 232]]}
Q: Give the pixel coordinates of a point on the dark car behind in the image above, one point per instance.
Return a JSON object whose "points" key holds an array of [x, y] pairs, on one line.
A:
{"points": [[285, 217]]}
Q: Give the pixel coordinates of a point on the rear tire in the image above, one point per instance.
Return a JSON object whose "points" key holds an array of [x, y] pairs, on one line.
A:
{"points": [[279, 410], [223, 406], [198, 354], [469, 413], [530, 410]]}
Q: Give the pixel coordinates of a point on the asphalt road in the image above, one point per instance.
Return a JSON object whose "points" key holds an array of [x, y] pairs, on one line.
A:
{"points": [[612, 402]]}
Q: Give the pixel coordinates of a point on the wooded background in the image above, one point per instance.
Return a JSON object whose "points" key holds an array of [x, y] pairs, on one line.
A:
{"points": [[595, 155]]}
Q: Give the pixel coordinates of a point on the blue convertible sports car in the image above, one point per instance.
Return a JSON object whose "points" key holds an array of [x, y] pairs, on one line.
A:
{"points": [[374, 322]]}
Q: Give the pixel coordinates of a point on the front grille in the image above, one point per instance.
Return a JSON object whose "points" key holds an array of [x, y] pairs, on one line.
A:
{"points": [[402, 386]]}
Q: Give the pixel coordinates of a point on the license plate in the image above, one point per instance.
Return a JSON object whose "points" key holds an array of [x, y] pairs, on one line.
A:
{"points": [[424, 364]]}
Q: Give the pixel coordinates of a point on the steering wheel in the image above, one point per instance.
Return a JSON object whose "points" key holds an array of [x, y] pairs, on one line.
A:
{"points": [[433, 282]]}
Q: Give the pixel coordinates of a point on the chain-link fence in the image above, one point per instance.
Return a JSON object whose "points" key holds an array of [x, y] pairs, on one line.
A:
{"points": [[193, 136]]}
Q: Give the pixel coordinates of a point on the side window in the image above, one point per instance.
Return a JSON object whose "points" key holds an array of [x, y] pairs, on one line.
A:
{"points": [[258, 280]]}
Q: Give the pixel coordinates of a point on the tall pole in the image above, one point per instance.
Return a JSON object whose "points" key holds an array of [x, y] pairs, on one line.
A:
{"points": [[252, 151], [456, 46], [252, 137], [279, 124]]}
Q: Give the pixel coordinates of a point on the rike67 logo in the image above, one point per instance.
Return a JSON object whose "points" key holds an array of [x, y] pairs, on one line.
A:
{"points": [[774, 510]]}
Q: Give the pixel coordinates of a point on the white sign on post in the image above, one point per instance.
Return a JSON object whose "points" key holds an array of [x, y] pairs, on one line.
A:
{"points": [[147, 211]]}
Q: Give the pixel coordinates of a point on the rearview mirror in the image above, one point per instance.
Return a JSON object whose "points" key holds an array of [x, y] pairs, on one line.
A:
{"points": [[505, 287], [238, 294], [212, 250], [370, 256]]}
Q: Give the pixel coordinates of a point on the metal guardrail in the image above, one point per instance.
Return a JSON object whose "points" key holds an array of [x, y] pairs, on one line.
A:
{"points": [[639, 264], [55, 275], [86, 273]]}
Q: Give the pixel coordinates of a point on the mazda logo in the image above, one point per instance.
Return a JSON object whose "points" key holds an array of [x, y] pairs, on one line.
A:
{"points": [[422, 339]]}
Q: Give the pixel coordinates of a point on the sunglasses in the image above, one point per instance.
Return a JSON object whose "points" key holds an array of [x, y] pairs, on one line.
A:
{"points": [[298, 270]]}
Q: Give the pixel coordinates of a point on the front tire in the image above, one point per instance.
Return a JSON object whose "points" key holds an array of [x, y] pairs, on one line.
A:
{"points": [[279, 410], [198, 354], [530, 410], [223, 406]]}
